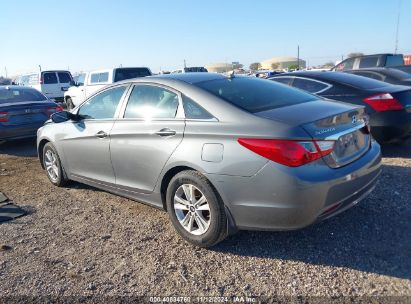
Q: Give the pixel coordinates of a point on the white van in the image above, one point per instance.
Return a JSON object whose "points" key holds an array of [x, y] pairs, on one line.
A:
{"points": [[53, 84], [90, 82]]}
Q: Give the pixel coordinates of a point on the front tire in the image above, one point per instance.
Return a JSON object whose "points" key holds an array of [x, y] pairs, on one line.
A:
{"points": [[52, 164], [195, 209]]}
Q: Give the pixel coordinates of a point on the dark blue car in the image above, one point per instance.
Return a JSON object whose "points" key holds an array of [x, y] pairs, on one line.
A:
{"points": [[22, 111]]}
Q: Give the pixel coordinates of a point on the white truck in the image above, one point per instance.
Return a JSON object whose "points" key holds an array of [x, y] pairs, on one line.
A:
{"points": [[90, 82]]}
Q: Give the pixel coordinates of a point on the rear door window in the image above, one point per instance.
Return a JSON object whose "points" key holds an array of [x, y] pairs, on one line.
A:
{"points": [[149, 102], [50, 78], [64, 77], [308, 85], [368, 62]]}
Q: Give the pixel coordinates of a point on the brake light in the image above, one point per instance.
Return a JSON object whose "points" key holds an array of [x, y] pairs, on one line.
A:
{"points": [[4, 116], [54, 110], [290, 153], [383, 102]]}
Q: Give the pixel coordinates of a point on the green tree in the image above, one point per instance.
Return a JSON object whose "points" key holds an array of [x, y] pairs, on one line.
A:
{"points": [[275, 65], [355, 54], [255, 66], [238, 66], [293, 67]]}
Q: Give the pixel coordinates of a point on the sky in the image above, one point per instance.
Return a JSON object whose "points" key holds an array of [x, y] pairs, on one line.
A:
{"points": [[86, 35]]}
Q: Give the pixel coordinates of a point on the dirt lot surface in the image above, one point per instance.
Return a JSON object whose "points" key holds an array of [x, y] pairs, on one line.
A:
{"points": [[82, 241]]}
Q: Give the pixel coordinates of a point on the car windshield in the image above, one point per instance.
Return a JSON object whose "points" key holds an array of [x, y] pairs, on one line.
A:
{"points": [[254, 94], [129, 73], [16, 94]]}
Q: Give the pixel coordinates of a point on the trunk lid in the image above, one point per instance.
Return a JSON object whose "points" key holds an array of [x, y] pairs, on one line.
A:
{"points": [[24, 113], [343, 123]]}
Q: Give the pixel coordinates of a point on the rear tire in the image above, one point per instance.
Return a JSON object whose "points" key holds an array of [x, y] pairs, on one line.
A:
{"points": [[195, 209], [69, 103], [52, 164]]}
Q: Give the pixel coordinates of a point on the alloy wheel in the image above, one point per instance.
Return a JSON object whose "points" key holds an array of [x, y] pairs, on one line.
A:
{"points": [[50, 162], [192, 209]]}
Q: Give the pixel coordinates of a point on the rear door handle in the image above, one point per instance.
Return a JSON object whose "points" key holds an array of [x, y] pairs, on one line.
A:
{"points": [[101, 134], [166, 132]]}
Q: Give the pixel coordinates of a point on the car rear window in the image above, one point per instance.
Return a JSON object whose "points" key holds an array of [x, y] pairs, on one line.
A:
{"points": [[393, 60], [254, 94], [64, 77], [49, 78], [355, 81], [15, 94], [130, 73]]}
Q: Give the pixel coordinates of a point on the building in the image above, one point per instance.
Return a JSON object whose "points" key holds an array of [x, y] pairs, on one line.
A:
{"points": [[219, 67], [282, 62]]}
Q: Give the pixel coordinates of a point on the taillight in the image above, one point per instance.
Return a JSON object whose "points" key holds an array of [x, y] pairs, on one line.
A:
{"points": [[290, 153], [383, 102], [54, 110], [4, 116]]}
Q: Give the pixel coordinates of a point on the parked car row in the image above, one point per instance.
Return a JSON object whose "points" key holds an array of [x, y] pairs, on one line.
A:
{"points": [[52, 84], [389, 106]]}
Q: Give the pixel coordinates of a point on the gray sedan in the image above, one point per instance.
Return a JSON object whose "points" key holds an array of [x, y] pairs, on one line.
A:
{"points": [[219, 153]]}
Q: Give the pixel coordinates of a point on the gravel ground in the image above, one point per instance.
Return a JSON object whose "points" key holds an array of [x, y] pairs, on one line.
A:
{"points": [[82, 241]]}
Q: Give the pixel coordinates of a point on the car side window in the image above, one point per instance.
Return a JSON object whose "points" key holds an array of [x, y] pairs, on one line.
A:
{"points": [[102, 105], [283, 80], [193, 111], [149, 102], [368, 62], [94, 78], [50, 78], [80, 80], [347, 64], [309, 85]]}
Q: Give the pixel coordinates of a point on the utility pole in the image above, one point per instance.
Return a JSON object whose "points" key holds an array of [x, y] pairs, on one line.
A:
{"points": [[5, 70], [398, 26], [185, 63], [298, 57], [40, 67]]}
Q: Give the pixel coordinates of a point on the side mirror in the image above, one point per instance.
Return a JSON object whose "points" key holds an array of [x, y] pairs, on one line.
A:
{"points": [[63, 116], [72, 83]]}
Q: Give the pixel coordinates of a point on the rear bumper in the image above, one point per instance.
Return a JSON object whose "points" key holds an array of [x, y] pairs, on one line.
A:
{"points": [[280, 198], [19, 132], [390, 126]]}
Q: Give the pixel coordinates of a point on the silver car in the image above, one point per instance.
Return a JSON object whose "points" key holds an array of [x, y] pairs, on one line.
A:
{"points": [[219, 153]]}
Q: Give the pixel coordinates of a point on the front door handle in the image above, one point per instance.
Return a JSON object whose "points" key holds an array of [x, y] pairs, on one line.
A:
{"points": [[166, 132], [101, 134]]}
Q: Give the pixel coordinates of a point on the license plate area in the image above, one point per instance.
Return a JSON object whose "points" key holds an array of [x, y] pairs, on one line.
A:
{"points": [[349, 147]]}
